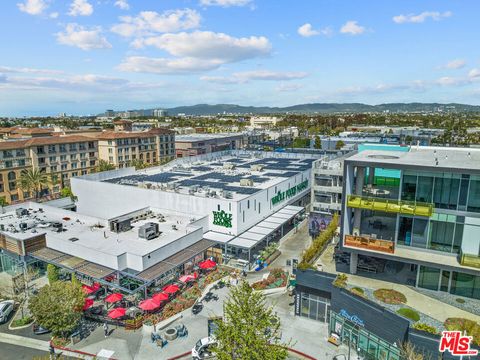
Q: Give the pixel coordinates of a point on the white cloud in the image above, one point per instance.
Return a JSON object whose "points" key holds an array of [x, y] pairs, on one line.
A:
{"points": [[166, 66], [261, 75], [210, 45], [352, 28], [83, 38], [8, 69], [225, 3], [122, 4], [80, 8], [53, 15], [474, 74], [33, 7], [454, 64], [151, 22], [306, 30], [420, 18]]}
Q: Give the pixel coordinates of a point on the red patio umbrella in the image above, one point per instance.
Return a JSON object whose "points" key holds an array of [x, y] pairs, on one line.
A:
{"points": [[186, 278], [171, 289], [113, 298], [88, 304], [207, 264], [117, 313], [149, 304], [90, 289], [158, 297]]}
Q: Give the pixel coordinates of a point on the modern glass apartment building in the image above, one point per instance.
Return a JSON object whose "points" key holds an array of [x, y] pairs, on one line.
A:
{"points": [[413, 216]]}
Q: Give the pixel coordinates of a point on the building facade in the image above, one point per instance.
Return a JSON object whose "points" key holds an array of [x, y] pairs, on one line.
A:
{"points": [[150, 147], [413, 216], [200, 144], [61, 157]]}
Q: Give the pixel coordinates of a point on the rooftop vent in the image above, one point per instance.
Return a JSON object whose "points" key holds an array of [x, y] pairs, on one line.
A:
{"points": [[229, 166], [73, 239], [256, 167], [246, 182]]}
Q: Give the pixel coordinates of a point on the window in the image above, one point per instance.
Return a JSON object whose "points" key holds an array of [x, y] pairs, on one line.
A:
{"points": [[248, 204], [7, 154], [473, 203], [110, 150], [465, 285], [52, 148], [441, 235], [83, 164], [424, 189], [11, 175], [74, 165], [428, 278], [63, 148], [64, 167], [40, 150], [52, 158], [445, 192], [409, 187], [63, 157]]}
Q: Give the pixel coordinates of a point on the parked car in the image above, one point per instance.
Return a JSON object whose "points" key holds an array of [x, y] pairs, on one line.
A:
{"points": [[202, 349], [197, 308], [38, 330], [6, 308]]}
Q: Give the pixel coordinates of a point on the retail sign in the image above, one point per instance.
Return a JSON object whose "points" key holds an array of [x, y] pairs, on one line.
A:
{"points": [[221, 218], [456, 343], [353, 318], [294, 190]]}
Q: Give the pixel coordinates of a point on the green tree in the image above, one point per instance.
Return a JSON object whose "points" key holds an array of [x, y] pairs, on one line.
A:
{"points": [[3, 201], [58, 307], [52, 273], [318, 142], [34, 180], [138, 164], [249, 329], [104, 166], [75, 280], [67, 192], [340, 144]]}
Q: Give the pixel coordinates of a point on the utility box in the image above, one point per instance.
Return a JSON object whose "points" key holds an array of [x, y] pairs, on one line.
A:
{"points": [[148, 231]]}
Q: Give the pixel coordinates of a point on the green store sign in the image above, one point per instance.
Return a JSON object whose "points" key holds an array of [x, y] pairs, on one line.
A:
{"points": [[221, 218], [282, 195]]}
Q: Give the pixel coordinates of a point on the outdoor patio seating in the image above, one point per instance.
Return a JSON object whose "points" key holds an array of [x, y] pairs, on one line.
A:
{"points": [[161, 342], [181, 330]]}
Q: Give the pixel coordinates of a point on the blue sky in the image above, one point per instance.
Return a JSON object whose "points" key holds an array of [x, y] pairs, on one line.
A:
{"points": [[84, 56]]}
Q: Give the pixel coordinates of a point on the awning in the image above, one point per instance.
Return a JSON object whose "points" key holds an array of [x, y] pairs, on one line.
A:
{"points": [[253, 236], [260, 230], [175, 260], [217, 237], [242, 242]]}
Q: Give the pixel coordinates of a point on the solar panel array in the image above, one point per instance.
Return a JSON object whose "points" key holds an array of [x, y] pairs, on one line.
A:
{"points": [[214, 178]]}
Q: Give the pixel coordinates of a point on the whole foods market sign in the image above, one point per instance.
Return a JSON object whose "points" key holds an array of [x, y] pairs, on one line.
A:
{"points": [[283, 195], [221, 218]]}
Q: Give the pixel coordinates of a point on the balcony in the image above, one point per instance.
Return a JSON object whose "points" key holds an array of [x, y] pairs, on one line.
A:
{"points": [[368, 243], [470, 260], [390, 205]]}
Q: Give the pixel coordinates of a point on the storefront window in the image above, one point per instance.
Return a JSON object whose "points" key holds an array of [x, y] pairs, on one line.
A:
{"points": [[465, 285], [314, 307], [428, 278]]}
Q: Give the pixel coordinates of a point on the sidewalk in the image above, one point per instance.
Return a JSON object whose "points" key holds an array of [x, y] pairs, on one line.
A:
{"points": [[37, 345], [432, 307]]}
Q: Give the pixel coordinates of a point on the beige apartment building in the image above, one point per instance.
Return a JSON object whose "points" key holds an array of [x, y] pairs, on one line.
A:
{"points": [[61, 157], [151, 147]]}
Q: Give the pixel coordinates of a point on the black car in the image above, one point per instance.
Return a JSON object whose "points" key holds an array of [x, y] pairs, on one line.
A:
{"points": [[38, 330], [197, 308]]}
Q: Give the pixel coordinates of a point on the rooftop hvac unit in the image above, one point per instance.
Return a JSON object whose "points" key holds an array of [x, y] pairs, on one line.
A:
{"points": [[229, 166], [246, 182], [119, 226], [57, 227], [256, 167], [228, 195], [26, 225], [21, 212], [171, 186], [148, 231]]}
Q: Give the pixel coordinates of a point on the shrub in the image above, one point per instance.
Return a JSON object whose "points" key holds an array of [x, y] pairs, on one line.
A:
{"points": [[305, 266], [425, 327], [317, 244], [23, 321], [358, 291], [460, 300], [469, 326], [389, 296], [340, 280], [409, 314]]}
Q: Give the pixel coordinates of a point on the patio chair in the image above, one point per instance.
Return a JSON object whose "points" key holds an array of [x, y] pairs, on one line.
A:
{"points": [[181, 330], [161, 342]]}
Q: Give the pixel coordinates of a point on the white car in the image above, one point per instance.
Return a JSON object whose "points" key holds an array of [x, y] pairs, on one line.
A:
{"points": [[201, 350], [6, 308]]}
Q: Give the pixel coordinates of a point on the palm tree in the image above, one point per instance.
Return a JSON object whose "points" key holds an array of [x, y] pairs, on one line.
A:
{"points": [[34, 180], [104, 166]]}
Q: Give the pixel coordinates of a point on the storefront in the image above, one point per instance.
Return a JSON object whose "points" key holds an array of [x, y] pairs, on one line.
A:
{"points": [[352, 332]]}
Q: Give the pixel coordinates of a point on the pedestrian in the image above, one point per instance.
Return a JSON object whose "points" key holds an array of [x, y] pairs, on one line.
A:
{"points": [[105, 329], [51, 350]]}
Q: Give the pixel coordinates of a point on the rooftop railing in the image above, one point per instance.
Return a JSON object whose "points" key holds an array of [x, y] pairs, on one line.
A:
{"points": [[390, 205], [369, 243]]}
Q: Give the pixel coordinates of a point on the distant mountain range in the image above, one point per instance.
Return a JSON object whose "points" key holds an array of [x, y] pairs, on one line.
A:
{"points": [[322, 108]]}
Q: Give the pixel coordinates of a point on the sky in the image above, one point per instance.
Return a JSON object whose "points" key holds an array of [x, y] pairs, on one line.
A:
{"points": [[85, 56]]}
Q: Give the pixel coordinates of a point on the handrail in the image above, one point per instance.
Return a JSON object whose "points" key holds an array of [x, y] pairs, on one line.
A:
{"points": [[390, 205], [366, 242]]}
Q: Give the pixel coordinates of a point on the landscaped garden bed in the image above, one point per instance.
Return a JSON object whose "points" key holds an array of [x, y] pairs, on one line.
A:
{"points": [[22, 322], [390, 296], [471, 327], [276, 279], [409, 314]]}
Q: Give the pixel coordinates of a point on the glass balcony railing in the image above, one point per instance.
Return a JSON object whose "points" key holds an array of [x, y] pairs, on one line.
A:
{"points": [[366, 242], [390, 205], [470, 260]]}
